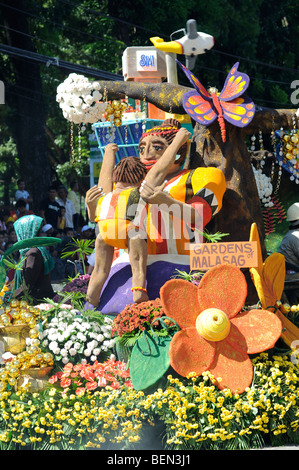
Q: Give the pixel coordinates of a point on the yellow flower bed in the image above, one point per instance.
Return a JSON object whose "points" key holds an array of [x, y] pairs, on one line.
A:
{"points": [[194, 412], [198, 415]]}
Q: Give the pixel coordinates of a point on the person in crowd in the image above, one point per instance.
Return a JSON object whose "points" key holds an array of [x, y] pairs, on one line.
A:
{"points": [[73, 195], [34, 277], [2, 222], [63, 201], [47, 230], [2, 242], [21, 208], [11, 236], [22, 193], [49, 208], [8, 216], [289, 246], [61, 219], [87, 233]]}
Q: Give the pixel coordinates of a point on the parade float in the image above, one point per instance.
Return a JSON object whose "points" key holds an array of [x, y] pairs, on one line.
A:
{"points": [[208, 363]]}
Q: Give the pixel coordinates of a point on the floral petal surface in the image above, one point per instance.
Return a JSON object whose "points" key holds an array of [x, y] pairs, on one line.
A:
{"points": [[236, 338], [179, 301], [260, 328], [273, 278], [189, 352], [223, 287], [234, 367]]}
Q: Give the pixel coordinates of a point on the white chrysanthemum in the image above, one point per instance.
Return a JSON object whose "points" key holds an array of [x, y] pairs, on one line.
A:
{"points": [[53, 345], [81, 337], [109, 343], [92, 344], [87, 352], [65, 360], [68, 345], [73, 351]]}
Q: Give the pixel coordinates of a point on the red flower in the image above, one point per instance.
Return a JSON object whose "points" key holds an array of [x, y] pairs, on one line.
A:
{"points": [[115, 385], [65, 382], [91, 385], [218, 341], [55, 377], [80, 391], [136, 317]]}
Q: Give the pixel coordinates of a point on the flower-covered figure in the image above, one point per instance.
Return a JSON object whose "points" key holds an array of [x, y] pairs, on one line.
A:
{"points": [[215, 336]]}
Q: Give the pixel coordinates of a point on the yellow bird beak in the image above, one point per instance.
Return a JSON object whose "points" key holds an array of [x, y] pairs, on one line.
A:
{"points": [[173, 46]]}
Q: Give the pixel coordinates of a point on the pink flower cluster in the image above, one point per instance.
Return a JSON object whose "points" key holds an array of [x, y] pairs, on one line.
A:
{"points": [[87, 377]]}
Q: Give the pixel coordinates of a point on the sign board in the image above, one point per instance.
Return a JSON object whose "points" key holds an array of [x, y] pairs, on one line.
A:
{"points": [[146, 61], [207, 255]]}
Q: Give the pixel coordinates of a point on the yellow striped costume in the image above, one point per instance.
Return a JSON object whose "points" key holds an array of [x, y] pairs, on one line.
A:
{"points": [[166, 232]]}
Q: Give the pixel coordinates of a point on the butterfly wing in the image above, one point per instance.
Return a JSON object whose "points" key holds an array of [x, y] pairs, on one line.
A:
{"points": [[198, 108], [239, 111], [195, 82], [235, 84]]}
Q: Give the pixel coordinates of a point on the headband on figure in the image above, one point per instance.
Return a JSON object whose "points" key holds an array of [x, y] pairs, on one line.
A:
{"points": [[168, 130]]}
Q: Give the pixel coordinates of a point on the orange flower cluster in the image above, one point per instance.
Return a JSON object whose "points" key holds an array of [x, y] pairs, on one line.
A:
{"points": [[87, 377], [137, 317]]}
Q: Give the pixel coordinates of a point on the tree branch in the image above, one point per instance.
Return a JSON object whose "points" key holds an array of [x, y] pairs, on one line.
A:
{"points": [[169, 96], [165, 96], [267, 120]]}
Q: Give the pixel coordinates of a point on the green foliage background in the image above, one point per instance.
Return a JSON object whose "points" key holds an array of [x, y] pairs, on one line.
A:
{"points": [[94, 33]]}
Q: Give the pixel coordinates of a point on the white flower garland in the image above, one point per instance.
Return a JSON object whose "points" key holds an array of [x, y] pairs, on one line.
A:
{"points": [[264, 187], [80, 99]]}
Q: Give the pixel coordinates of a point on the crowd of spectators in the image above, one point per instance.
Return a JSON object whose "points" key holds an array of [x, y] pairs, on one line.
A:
{"points": [[62, 219]]}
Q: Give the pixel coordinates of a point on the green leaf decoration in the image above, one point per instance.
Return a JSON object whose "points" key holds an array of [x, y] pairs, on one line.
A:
{"points": [[23, 244], [150, 358], [31, 243]]}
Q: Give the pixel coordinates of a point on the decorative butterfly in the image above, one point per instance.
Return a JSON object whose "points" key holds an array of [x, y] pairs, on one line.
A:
{"points": [[205, 106]]}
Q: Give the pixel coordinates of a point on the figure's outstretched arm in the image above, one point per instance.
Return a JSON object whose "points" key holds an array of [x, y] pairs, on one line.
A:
{"points": [[105, 178], [105, 184]]}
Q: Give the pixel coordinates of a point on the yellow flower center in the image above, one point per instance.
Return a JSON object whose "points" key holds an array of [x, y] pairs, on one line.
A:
{"points": [[213, 324]]}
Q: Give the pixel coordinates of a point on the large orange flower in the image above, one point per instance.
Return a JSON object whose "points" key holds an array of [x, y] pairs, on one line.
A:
{"points": [[212, 336]]}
